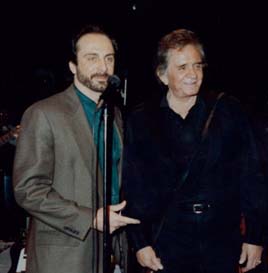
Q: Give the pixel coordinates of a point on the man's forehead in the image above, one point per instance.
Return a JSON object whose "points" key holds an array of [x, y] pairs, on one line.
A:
{"points": [[95, 42], [177, 54]]}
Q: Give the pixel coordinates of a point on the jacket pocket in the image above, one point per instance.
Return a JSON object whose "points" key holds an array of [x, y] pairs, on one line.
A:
{"points": [[56, 238]]}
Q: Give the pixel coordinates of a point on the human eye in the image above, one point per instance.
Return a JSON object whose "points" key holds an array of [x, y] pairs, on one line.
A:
{"points": [[182, 67], [110, 59], [91, 58], [199, 66]]}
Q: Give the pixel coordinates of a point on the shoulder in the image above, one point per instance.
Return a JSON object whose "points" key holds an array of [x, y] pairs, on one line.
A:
{"points": [[231, 102], [223, 99], [135, 114], [61, 102], [140, 119], [228, 110], [230, 107], [232, 115], [146, 111]]}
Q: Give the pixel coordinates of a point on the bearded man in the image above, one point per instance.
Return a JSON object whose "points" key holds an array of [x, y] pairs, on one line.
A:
{"points": [[58, 168]]}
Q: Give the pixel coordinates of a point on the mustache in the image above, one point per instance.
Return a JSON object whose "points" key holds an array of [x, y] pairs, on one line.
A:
{"points": [[100, 75]]}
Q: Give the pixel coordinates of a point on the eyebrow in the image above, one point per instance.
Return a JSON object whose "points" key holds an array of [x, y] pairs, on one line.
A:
{"points": [[110, 54], [201, 62], [96, 54]]}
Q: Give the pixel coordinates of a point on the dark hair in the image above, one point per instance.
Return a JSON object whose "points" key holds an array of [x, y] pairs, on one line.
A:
{"points": [[178, 38], [88, 29]]}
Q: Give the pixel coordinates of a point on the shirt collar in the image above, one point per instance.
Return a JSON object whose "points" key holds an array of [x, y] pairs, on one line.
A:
{"points": [[164, 102], [85, 99]]}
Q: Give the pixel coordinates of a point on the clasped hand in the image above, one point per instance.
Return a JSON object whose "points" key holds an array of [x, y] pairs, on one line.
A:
{"points": [[147, 258], [251, 255]]}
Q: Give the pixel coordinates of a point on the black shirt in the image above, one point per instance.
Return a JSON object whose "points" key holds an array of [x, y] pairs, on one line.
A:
{"points": [[225, 171]]}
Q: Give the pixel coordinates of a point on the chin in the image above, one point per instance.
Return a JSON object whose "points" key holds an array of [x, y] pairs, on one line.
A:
{"points": [[191, 92], [100, 88]]}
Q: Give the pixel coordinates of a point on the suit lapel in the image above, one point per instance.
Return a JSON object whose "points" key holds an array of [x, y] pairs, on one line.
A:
{"points": [[119, 128], [80, 127], [84, 138]]}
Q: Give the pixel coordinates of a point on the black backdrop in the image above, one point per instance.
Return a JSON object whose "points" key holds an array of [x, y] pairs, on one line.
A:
{"points": [[35, 40]]}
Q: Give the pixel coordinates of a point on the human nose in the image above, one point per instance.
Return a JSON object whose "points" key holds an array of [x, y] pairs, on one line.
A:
{"points": [[192, 73], [103, 67]]}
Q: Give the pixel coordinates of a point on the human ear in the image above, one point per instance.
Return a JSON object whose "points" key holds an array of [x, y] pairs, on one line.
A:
{"points": [[162, 75], [72, 67]]}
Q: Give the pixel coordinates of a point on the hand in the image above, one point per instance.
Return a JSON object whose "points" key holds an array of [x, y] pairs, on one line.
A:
{"points": [[11, 135], [5, 245], [251, 254], [115, 219], [147, 258]]}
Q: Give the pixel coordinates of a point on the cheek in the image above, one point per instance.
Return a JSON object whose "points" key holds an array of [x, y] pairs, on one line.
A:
{"points": [[176, 79], [87, 67], [200, 73], [200, 77], [88, 70], [110, 68]]}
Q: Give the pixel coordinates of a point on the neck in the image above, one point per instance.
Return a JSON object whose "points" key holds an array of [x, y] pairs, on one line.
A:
{"points": [[181, 105], [87, 92]]}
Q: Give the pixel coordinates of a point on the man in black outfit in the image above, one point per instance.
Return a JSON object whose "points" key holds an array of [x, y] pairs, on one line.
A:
{"points": [[190, 192]]}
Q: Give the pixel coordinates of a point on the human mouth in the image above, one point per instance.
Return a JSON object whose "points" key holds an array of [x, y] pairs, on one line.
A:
{"points": [[100, 77], [190, 82]]}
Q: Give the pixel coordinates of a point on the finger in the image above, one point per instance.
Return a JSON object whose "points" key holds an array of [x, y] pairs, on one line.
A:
{"points": [[249, 265], [243, 257], [112, 229], [246, 269], [152, 265], [157, 263], [118, 220], [256, 263], [160, 266], [119, 206], [155, 267], [128, 220], [116, 225]]}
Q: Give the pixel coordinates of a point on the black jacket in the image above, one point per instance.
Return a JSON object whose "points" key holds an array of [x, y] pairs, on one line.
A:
{"points": [[225, 171]]}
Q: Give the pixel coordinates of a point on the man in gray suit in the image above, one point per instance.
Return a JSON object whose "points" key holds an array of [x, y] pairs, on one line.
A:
{"points": [[58, 166]]}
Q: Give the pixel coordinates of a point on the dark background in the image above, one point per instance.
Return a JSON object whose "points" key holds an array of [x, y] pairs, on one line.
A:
{"points": [[35, 43], [36, 39]]}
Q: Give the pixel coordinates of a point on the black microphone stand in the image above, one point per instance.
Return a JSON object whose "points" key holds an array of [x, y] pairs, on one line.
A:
{"points": [[108, 136], [106, 101]]}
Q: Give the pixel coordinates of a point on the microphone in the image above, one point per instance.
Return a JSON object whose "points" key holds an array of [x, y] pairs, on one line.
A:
{"points": [[113, 83]]}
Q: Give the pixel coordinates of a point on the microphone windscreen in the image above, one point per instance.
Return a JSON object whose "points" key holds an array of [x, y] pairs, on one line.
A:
{"points": [[114, 81]]}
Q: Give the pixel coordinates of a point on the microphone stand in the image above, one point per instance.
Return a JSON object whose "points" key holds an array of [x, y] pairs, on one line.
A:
{"points": [[108, 136], [106, 101]]}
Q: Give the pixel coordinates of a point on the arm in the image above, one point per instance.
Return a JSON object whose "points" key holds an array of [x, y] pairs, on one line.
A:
{"points": [[253, 202], [33, 179], [35, 186], [138, 195]]}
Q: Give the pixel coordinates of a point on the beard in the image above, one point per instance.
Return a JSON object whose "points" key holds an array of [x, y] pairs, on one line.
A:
{"points": [[92, 82]]}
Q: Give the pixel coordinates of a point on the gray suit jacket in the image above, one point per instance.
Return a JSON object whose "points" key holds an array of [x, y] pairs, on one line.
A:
{"points": [[54, 179]]}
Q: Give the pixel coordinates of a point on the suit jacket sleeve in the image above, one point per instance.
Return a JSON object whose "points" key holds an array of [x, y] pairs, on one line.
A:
{"points": [[253, 190], [134, 185], [33, 178]]}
